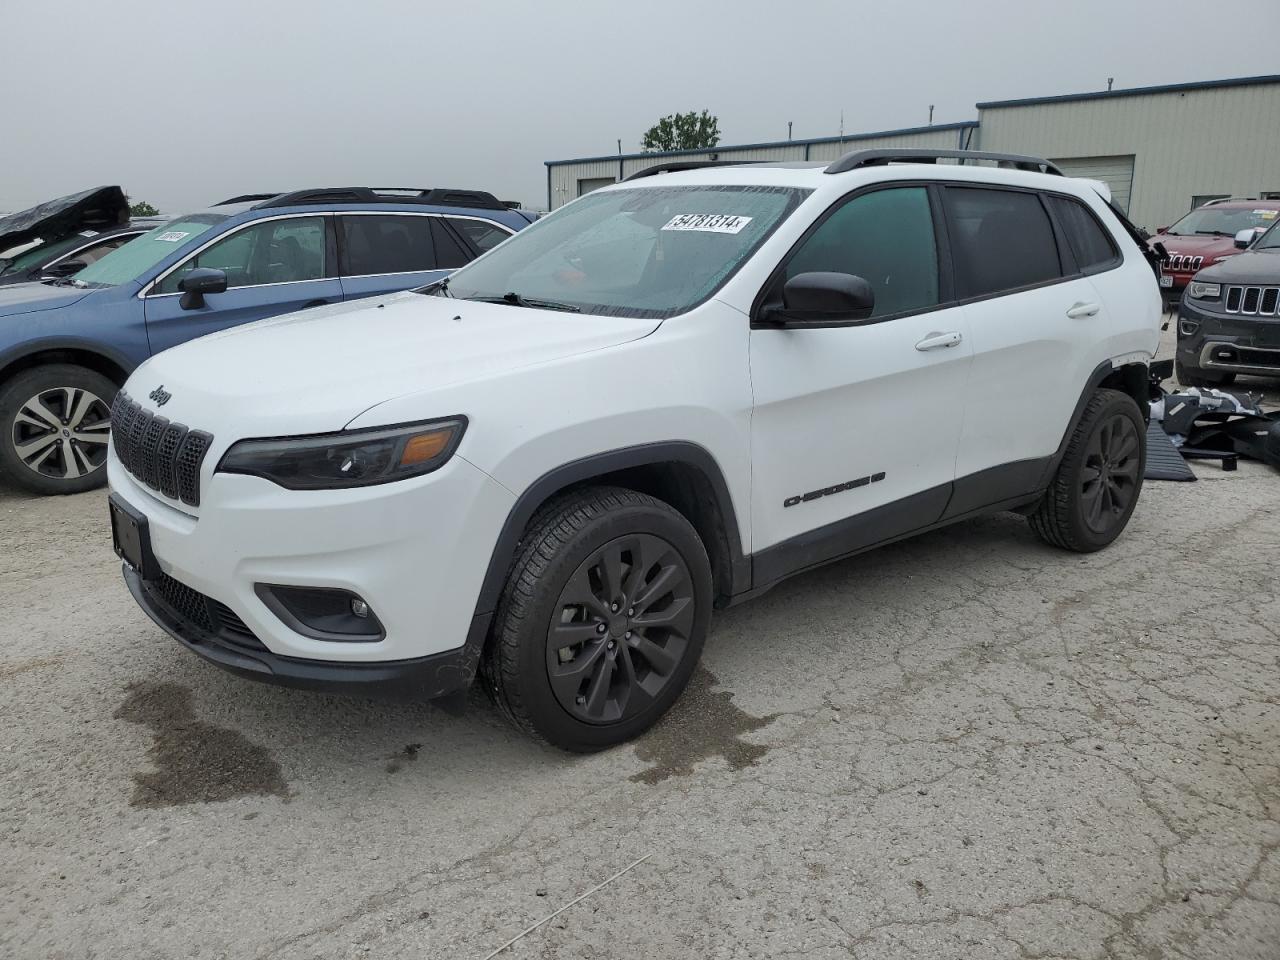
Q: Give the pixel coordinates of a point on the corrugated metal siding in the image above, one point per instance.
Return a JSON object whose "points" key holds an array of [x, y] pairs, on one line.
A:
{"points": [[565, 177], [1224, 140], [1115, 172]]}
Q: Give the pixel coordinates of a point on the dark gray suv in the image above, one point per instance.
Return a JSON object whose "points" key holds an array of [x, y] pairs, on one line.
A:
{"points": [[1229, 318]]}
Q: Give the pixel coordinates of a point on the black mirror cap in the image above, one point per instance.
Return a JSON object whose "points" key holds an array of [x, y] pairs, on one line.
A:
{"points": [[824, 299], [197, 283]]}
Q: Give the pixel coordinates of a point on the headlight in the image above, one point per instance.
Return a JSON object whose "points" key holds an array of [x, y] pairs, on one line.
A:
{"points": [[1204, 291], [356, 458]]}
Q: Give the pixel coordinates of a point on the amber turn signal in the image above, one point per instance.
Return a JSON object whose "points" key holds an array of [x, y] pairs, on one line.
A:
{"points": [[424, 447]]}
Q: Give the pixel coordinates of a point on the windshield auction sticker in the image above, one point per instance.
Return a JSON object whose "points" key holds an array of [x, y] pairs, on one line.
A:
{"points": [[707, 222], [173, 236]]}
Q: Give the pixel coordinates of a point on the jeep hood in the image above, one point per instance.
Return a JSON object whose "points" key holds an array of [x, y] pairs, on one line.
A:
{"points": [[16, 298], [1258, 267], [317, 370], [1196, 245], [98, 209]]}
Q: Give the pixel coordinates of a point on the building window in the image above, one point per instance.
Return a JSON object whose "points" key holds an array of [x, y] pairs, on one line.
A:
{"points": [[1202, 199]]}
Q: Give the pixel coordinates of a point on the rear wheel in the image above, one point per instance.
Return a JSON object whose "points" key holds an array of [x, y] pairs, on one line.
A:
{"points": [[1195, 377], [1096, 487], [54, 423], [602, 620]]}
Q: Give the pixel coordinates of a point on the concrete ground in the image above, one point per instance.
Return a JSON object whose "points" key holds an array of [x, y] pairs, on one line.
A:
{"points": [[964, 746]]}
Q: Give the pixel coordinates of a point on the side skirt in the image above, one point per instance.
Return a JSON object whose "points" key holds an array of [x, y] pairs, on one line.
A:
{"points": [[1006, 487]]}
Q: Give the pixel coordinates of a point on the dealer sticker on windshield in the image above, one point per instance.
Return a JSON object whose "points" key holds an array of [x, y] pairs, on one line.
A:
{"points": [[708, 222], [173, 236]]}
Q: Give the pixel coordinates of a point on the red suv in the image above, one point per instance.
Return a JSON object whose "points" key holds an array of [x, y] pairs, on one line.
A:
{"points": [[1207, 235]]}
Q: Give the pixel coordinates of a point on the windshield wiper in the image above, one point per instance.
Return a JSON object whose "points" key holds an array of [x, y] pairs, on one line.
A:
{"points": [[1213, 233], [515, 300], [440, 286]]}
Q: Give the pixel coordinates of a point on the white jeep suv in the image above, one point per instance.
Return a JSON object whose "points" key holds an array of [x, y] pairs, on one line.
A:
{"points": [[663, 398]]}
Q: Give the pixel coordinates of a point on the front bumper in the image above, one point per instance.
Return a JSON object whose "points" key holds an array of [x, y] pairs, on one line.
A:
{"points": [[423, 678], [1228, 343]]}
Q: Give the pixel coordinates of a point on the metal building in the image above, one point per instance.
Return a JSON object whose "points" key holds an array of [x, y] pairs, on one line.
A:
{"points": [[1163, 149]]}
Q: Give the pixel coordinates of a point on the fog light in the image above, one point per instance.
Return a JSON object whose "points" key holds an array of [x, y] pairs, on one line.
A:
{"points": [[323, 613], [1188, 328]]}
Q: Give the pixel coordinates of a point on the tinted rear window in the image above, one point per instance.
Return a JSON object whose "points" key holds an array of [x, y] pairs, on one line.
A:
{"points": [[386, 244], [1001, 240], [1090, 243]]}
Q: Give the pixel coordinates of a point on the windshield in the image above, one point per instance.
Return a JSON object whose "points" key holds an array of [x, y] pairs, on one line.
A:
{"points": [[643, 252], [126, 263], [39, 254], [1217, 221]]}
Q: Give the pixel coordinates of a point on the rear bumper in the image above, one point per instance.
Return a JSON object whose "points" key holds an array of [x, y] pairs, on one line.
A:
{"points": [[423, 678]]}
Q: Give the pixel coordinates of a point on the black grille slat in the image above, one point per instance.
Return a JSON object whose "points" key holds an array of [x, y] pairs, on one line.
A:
{"points": [[162, 455], [148, 458], [186, 466], [1234, 295], [166, 454], [1251, 296], [1270, 296]]}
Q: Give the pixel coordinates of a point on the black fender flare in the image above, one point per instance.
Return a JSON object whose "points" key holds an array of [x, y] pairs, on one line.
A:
{"points": [[1134, 376], [30, 348], [600, 464]]}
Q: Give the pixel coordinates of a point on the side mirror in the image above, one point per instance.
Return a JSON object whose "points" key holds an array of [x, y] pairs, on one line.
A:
{"points": [[1245, 237], [198, 283], [64, 269], [823, 300]]}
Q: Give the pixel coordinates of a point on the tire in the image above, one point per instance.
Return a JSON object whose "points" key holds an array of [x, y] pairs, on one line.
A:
{"points": [[1097, 484], [54, 422], [611, 673], [1195, 377]]}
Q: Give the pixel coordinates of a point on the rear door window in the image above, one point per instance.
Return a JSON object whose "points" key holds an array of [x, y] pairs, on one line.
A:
{"points": [[450, 252], [1001, 240], [387, 243], [1092, 245]]}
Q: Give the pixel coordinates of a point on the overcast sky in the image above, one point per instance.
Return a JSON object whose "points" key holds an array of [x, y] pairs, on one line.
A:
{"points": [[184, 105]]}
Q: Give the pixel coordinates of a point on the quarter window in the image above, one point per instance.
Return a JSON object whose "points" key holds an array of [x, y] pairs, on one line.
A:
{"points": [[1090, 243], [387, 244], [886, 237], [1000, 240], [273, 251], [482, 234]]}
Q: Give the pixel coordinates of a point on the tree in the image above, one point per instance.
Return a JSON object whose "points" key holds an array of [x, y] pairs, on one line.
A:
{"points": [[143, 209], [683, 131]]}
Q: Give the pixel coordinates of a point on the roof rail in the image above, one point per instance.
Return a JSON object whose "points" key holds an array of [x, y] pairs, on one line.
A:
{"points": [[247, 198], [1210, 203], [878, 158], [437, 197], [673, 166]]}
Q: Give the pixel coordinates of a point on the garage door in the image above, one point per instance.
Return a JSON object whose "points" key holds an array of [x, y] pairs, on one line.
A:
{"points": [[588, 184], [1115, 172]]}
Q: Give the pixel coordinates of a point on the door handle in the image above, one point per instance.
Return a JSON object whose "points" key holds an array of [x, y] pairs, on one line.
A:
{"points": [[1080, 310], [936, 340]]}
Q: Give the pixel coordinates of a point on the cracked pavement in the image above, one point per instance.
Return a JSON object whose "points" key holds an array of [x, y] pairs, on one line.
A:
{"points": [[967, 745]]}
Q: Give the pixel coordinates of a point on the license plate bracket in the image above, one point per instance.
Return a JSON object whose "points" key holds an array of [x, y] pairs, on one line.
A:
{"points": [[131, 538]]}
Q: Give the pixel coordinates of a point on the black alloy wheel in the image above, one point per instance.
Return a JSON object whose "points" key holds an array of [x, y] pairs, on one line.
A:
{"points": [[1109, 477], [621, 627]]}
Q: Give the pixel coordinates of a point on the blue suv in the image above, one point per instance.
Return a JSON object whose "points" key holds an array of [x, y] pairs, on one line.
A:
{"points": [[66, 346]]}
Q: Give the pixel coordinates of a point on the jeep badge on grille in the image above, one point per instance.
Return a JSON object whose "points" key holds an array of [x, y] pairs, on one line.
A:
{"points": [[160, 396]]}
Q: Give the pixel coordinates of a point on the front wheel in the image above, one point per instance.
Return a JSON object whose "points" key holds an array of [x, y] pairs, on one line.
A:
{"points": [[1096, 487], [54, 425], [602, 620]]}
